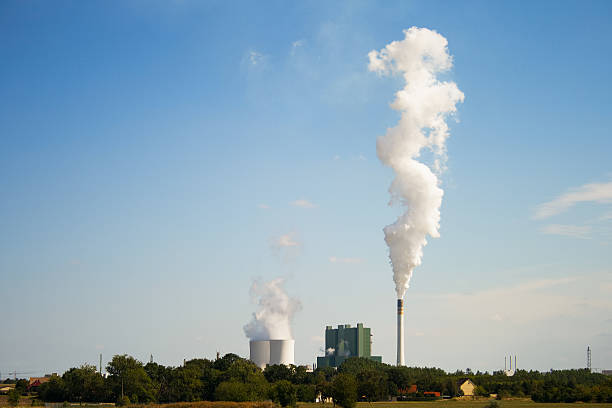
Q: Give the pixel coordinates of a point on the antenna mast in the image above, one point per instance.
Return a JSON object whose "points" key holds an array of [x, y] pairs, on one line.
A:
{"points": [[589, 358]]}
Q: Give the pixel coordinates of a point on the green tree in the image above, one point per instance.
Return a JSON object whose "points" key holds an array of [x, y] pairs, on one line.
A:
{"points": [[128, 378], [224, 363], [84, 384], [53, 390], [210, 380], [344, 390], [185, 384], [327, 373], [481, 391], [22, 385], [400, 378], [322, 386], [160, 381], [13, 397], [354, 365], [277, 372], [232, 391], [285, 393], [306, 392], [371, 384], [301, 376], [255, 387]]}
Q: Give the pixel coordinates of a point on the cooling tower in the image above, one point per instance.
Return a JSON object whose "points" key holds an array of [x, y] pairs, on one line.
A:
{"points": [[260, 352], [400, 332], [282, 352]]}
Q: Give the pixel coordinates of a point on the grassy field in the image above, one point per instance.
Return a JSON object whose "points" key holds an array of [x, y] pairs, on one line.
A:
{"points": [[25, 402], [462, 404]]}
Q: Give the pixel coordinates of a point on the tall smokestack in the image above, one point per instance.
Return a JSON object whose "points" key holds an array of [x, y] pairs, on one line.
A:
{"points": [[400, 332]]}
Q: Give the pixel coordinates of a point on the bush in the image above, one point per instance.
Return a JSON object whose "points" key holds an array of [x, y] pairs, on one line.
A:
{"points": [[232, 391], [306, 393], [344, 390], [285, 393], [53, 390], [21, 386], [122, 402], [13, 398], [492, 404]]}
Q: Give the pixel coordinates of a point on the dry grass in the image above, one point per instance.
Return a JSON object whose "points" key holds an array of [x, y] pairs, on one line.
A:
{"points": [[211, 404], [518, 403]]}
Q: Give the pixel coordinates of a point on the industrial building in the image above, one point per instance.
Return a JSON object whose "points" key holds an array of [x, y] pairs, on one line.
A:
{"points": [[272, 352], [345, 342]]}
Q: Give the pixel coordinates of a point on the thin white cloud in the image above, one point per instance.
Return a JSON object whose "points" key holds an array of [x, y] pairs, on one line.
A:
{"points": [[255, 57], [337, 157], [295, 45], [536, 313], [335, 259], [574, 231], [537, 284], [286, 241], [593, 192], [263, 206], [286, 246], [528, 301], [303, 204], [605, 217]]}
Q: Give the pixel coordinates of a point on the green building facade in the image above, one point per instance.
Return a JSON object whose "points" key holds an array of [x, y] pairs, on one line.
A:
{"points": [[345, 342]]}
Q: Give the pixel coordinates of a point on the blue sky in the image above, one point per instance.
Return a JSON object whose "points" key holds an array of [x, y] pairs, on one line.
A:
{"points": [[154, 154]]}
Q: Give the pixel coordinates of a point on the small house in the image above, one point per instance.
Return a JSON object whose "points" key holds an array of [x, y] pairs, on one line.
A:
{"points": [[467, 386]]}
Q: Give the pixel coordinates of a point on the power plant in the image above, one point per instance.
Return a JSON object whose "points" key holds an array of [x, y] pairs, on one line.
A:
{"points": [[345, 342], [271, 341], [272, 352]]}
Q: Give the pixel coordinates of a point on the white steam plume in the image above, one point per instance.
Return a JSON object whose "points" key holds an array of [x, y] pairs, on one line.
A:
{"points": [[424, 103], [272, 320]]}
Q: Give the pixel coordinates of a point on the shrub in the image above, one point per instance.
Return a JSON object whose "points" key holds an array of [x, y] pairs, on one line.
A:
{"points": [[285, 393], [306, 393], [344, 390], [13, 398], [232, 391]]}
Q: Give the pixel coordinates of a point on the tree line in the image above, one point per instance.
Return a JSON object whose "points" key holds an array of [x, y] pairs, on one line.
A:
{"points": [[232, 378]]}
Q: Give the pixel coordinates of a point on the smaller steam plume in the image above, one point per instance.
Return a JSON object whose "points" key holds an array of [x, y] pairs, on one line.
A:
{"points": [[272, 320]]}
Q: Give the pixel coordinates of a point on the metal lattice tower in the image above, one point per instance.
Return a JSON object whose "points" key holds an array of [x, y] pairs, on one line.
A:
{"points": [[589, 358]]}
